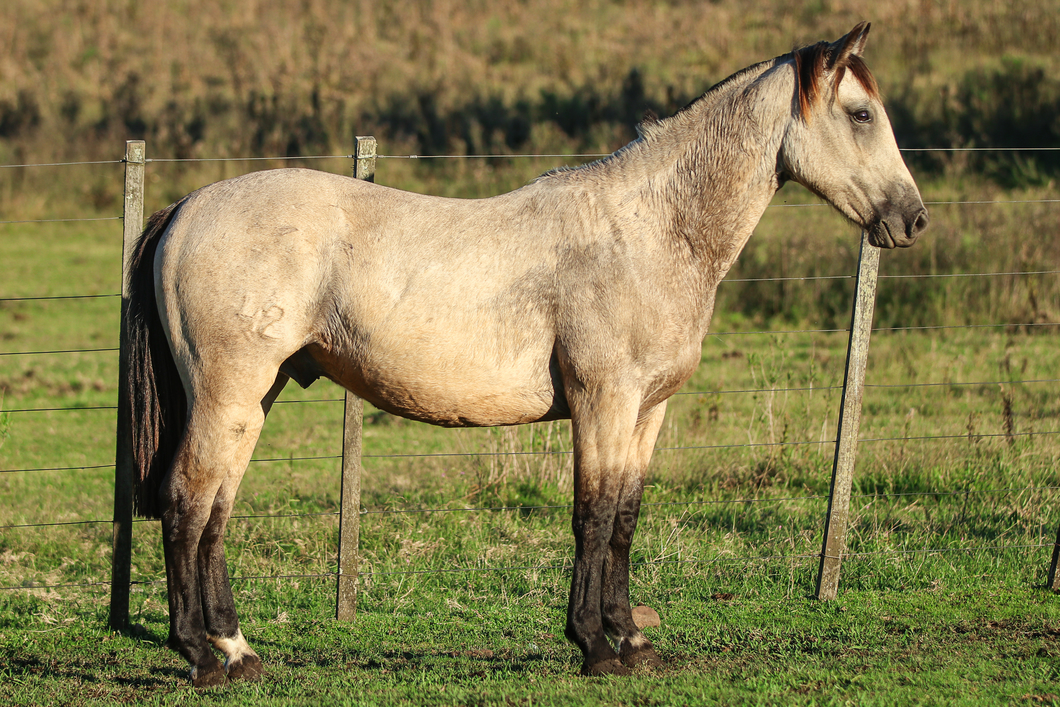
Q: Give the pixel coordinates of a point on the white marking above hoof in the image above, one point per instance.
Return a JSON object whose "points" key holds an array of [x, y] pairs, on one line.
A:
{"points": [[235, 648]]}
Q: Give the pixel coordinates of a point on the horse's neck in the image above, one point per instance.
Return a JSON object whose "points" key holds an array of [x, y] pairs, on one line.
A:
{"points": [[712, 174], [726, 177]]}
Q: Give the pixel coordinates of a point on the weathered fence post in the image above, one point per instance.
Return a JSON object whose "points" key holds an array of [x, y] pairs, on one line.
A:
{"points": [[353, 418], [121, 560], [835, 527], [1054, 577]]}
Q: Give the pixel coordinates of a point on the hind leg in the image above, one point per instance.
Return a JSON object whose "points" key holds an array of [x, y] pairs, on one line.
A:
{"points": [[197, 496], [218, 605], [634, 648], [221, 622]]}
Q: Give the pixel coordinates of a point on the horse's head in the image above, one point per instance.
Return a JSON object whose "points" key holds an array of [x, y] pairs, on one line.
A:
{"points": [[840, 144]]}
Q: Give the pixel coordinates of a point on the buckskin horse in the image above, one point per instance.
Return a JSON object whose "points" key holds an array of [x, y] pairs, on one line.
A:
{"points": [[585, 294]]}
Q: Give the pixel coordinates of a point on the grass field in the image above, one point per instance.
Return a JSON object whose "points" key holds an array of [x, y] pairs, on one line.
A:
{"points": [[941, 602]]}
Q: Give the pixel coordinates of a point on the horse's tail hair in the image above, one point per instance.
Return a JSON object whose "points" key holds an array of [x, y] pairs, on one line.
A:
{"points": [[153, 388]]}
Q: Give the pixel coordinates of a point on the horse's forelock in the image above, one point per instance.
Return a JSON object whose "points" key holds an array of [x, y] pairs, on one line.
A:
{"points": [[861, 72], [811, 64]]}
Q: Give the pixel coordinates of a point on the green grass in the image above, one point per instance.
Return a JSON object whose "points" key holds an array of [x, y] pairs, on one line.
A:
{"points": [[458, 643]]}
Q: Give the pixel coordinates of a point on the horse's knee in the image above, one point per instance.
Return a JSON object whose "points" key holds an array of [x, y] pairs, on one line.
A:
{"points": [[593, 527]]}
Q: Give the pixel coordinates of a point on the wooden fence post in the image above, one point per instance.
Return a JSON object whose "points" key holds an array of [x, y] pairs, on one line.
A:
{"points": [[1053, 582], [364, 156], [835, 528], [353, 418], [121, 560]]}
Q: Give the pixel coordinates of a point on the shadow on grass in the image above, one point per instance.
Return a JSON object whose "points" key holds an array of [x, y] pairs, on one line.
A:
{"points": [[50, 669], [83, 670], [469, 661], [140, 633], [160, 678]]}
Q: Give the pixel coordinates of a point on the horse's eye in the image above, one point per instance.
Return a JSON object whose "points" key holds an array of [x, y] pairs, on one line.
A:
{"points": [[861, 116]]}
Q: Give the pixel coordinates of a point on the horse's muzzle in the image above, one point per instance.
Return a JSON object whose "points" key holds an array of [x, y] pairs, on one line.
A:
{"points": [[897, 232]]}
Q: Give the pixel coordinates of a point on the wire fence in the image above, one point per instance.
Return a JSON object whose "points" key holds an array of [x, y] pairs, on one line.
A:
{"points": [[1009, 435], [486, 455]]}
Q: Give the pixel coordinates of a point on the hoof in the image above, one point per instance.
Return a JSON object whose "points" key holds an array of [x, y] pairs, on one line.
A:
{"points": [[611, 666], [246, 668], [209, 676], [643, 660]]}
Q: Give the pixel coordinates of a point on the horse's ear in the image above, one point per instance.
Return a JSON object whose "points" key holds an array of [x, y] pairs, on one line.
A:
{"points": [[851, 45]]}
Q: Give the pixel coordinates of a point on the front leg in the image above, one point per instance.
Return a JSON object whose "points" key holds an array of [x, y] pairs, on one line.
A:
{"points": [[602, 425], [634, 648]]}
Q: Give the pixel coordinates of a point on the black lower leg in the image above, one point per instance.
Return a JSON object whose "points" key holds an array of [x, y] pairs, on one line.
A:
{"points": [[218, 605], [615, 608], [634, 648], [584, 623], [187, 629]]}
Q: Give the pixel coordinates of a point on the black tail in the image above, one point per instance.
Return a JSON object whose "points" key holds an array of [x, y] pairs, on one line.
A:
{"points": [[153, 387]]}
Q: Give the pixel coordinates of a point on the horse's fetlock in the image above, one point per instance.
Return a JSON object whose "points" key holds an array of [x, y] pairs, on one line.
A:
{"points": [[632, 644], [570, 634]]}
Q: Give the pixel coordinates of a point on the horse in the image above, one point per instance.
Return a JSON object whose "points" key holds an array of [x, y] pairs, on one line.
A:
{"points": [[584, 295]]}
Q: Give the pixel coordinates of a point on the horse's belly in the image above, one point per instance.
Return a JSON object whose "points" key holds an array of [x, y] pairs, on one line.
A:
{"points": [[451, 408], [447, 392]]}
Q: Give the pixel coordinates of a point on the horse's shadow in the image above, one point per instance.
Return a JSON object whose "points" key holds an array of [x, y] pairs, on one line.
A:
{"points": [[85, 672], [33, 667], [159, 678], [140, 633], [474, 661]]}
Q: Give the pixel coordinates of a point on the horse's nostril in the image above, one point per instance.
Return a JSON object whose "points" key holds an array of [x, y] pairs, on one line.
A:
{"points": [[921, 222]]}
